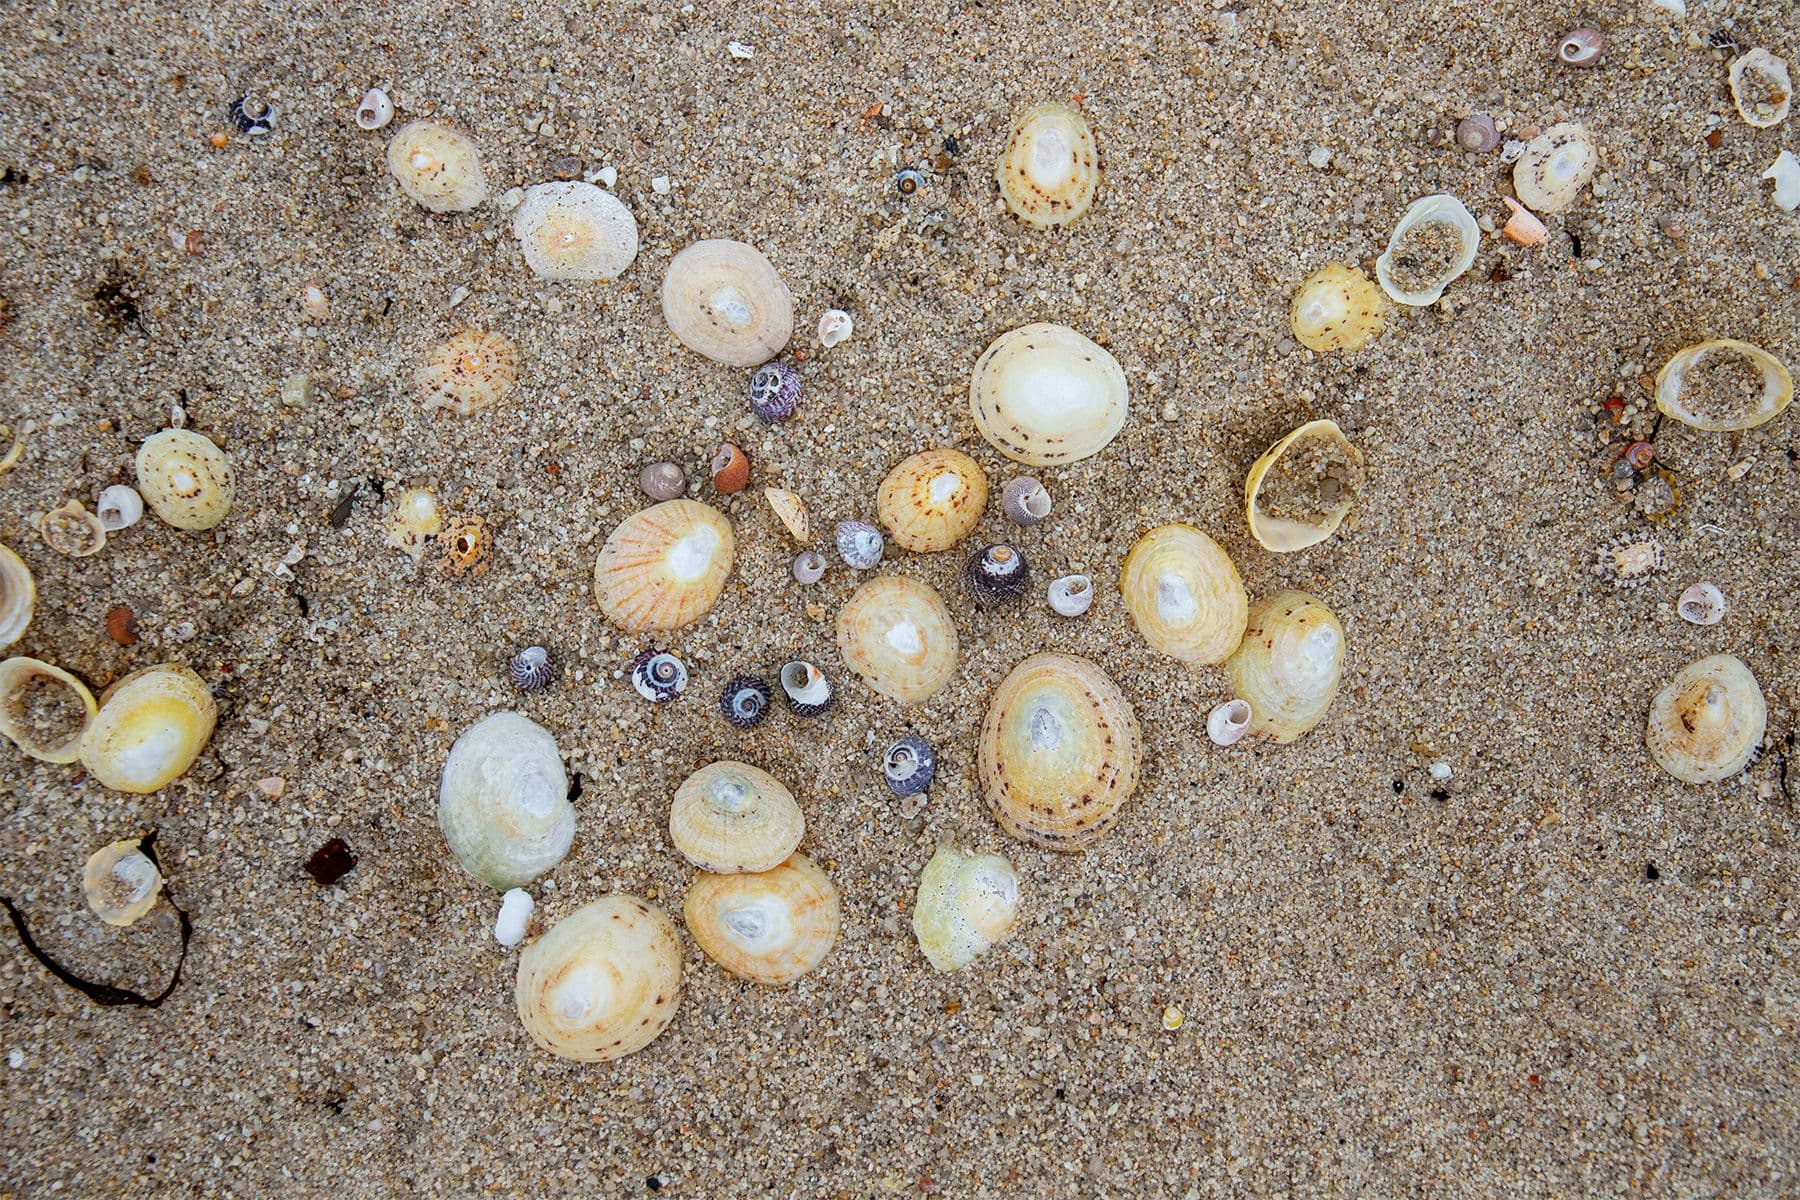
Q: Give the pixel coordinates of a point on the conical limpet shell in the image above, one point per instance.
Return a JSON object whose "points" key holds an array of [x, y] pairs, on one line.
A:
{"points": [[603, 983], [120, 882], [44, 710], [932, 500], [790, 510], [664, 567], [416, 518], [1707, 723], [1434, 243], [186, 478], [1184, 595], [723, 299], [1337, 308], [1723, 385], [967, 903], [1049, 171], [1058, 753], [730, 817], [1289, 664], [18, 597], [769, 927], [1300, 491], [1045, 395], [1761, 88], [437, 166], [503, 801], [72, 530], [896, 633], [575, 231], [468, 372], [151, 726], [1556, 165]]}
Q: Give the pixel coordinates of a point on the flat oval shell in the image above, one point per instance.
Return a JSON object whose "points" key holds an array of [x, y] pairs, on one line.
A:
{"points": [[151, 726], [1049, 171], [897, 634], [1434, 243], [1554, 168], [770, 927], [603, 983], [664, 567], [1045, 395], [1708, 722], [1332, 462], [1337, 309], [1724, 399], [437, 166], [730, 817], [1184, 595], [40, 727], [575, 231], [724, 300], [18, 597], [967, 903], [932, 500], [503, 801], [1289, 664], [185, 478]]}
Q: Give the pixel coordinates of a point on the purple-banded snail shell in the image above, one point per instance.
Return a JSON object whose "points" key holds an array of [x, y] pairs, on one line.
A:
{"points": [[995, 574], [807, 690], [745, 701], [251, 115], [531, 668], [909, 765], [809, 566], [775, 391], [859, 544], [658, 676], [1025, 501]]}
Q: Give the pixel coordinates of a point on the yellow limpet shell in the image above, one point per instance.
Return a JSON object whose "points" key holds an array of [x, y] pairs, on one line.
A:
{"points": [[896, 633], [603, 983], [1677, 394], [724, 300], [1059, 752], [437, 166], [40, 724], [468, 372], [416, 517], [72, 530], [1049, 171], [18, 597], [1044, 395], [770, 927], [790, 510], [729, 817], [664, 567], [185, 478], [575, 231], [151, 726], [1555, 166], [966, 904], [121, 883], [1184, 595], [1707, 723], [1289, 664], [1338, 308], [932, 500], [1324, 505]]}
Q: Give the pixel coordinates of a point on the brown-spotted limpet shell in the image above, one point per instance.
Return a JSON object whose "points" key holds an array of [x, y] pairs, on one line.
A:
{"points": [[1045, 395], [416, 518], [724, 300], [1707, 723], [1337, 309], [730, 817], [437, 166], [1302, 488], [185, 478], [770, 927], [151, 726], [1184, 595], [603, 983], [1555, 166], [468, 372], [896, 633], [932, 500], [1288, 665], [18, 597], [1723, 385], [44, 710], [1049, 171], [664, 567], [120, 882]]}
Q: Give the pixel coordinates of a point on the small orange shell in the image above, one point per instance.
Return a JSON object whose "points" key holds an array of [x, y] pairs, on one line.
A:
{"points": [[469, 372], [1523, 226], [770, 927], [465, 544], [730, 470], [932, 500]]}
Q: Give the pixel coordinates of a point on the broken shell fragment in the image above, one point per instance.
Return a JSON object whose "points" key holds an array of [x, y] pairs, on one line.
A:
{"points": [[1628, 562], [1707, 723], [121, 883], [1554, 167], [1523, 226], [790, 510], [896, 633], [72, 530], [18, 596], [1071, 595], [468, 372], [770, 927], [415, 518], [151, 726], [503, 801], [186, 478], [724, 300], [1702, 604], [44, 710], [1044, 395], [664, 567], [967, 904], [374, 110], [1761, 88], [1025, 501], [119, 507], [576, 232], [1049, 171], [603, 983], [1723, 385], [437, 166], [1184, 595], [1434, 243], [1302, 488], [730, 470], [932, 500], [1785, 172], [730, 817], [1337, 308], [1227, 723], [1289, 664]]}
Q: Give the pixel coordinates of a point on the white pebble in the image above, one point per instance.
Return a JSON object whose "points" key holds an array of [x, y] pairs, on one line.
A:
{"points": [[740, 50], [15, 1059], [1440, 771], [1785, 171], [511, 198], [1320, 158], [515, 913], [661, 185], [458, 296]]}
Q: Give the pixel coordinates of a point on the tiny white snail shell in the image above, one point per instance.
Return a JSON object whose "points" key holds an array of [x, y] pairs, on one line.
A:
{"points": [[1227, 723], [119, 507], [374, 110], [835, 327], [1702, 604], [1071, 595], [503, 801]]}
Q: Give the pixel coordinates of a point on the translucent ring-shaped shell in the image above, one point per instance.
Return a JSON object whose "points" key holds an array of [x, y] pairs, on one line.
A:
{"points": [[186, 478], [71, 529], [1555, 166], [724, 300], [730, 817], [1045, 395], [1337, 308], [437, 166], [1679, 398], [1762, 91], [1707, 723], [503, 801], [897, 634], [38, 725], [966, 904], [770, 927], [1049, 171], [18, 597], [664, 567], [1059, 752], [603, 983], [120, 882], [932, 500], [1184, 595], [1317, 476], [575, 231], [1289, 664], [151, 726], [1434, 243], [467, 372]]}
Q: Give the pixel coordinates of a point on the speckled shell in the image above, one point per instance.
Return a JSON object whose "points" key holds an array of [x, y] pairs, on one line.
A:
{"points": [[437, 166], [1049, 171], [1289, 664], [1059, 752], [1442, 209], [932, 500], [1778, 386], [1762, 90], [16, 723], [896, 633], [1184, 595], [1556, 165], [185, 478], [575, 231], [1337, 308], [966, 904], [18, 597], [468, 372], [730, 817], [603, 983], [664, 567], [724, 300], [71, 529], [1708, 722], [1284, 535], [120, 882], [416, 517], [1044, 395], [503, 801], [151, 726], [770, 927]]}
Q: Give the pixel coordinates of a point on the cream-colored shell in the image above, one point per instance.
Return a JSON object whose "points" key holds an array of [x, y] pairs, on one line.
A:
{"points": [[932, 500], [896, 633], [664, 567], [790, 510], [1555, 166], [186, 479], [120, 882], [603, 983], [1762, 91], [467, 372], [417, 517], [770, 927], [1184, 595], [503, 801], [151, 726], [17, 676], [18, 597], [1282, 534], [1044, 395], [72, 530], [1441, 209], [724, 300], [1289, 664], [437, 166], [1707, 723], [966, 904], [1049, 171], [1778, 386], [730, 817], [1337, 308], [575, 231]]}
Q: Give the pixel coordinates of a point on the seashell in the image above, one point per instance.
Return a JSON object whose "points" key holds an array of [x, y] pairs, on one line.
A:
{"points": [[791, 511], [1761, 88], [576, 232], [503, 801], [119, 507], [658, 676], [121, 625], [1785, 172], [1071, 595], [730, 817], [663, 481], [1058, 753], [770, 927], [909, 765], [1707, 723], [415, 518], [807, 690], [1658, 496], [603, 983], [859, 544], [775, 391], [516, 907], [1639, 455], [1434, 243], [1523, 226], [730, 470], [896, 633], [1227, 723], [437, 166], [1580, 47], [1337, 308], [1302, 488], [251, 115], [1628, 562], [1043, 395], [465, 544], [809, 566], [468, 372], [745, 701], [908, 181], [121, 882], [967, 903], [724, 300], [186, 478], [932, 500], [1478, 134], [835, 327], [72, 530], [44, 710], [1554, 168], [374, 110], [150, 727], [1702, 604], [995, 574], [531, 668], [664, 567], [1024, 501], [1723, 385], [18, 596], [1289, 664], [1184, 595], [1049, 171]]}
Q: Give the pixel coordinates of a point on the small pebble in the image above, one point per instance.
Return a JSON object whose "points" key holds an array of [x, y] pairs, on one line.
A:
{"points": [[1440, 771], [515, 916], [661, 185], [1320, 158]]}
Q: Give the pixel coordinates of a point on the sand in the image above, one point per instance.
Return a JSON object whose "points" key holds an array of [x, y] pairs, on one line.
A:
{"points": [[1559, 972]]}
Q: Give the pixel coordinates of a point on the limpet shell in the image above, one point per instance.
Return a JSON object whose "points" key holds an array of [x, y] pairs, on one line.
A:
{"points": [[1434, 243], [463, 547], [967, 903], [603, 983], [724, 300], [18, 596], [416, 517], [468, 372], [896, 633], [575, 231], [770, 927], [730, 817], [1690, 384], [72, 530], [1289, 664], [664, 567], [790, 510], [1317, 474], [41, 725], [1555, 166], [1044, 395], [1707, 723], [120, 882], [186, 479], [437, 166], [1337, 308], [1049, 171], [1184, 595], [1058, 753], [1761, 88], [503, 801], [932, 500], [150, 727]]}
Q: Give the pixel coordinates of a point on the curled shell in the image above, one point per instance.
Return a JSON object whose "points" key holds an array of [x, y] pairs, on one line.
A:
{"points": [[44, 710], [995, 574], [186, 478], [121, 882], [1434, 243], [119, 507], [1723, 385], [809, 567], [1302, 488], [1059, 752], [859, 544], [932, 500], [374, 110], [468, 372], [658, 676], [416, 517], [603, 983], [1184, 595], [1227, 723], [18, 597], [724, 300], [1071, 595], [1580, 47], [775, 391], [1702, 604], [575, 231], [1523, 226], [503, 801], [896, 633], [809, 693], [745, 701], [531, 668], [909, 765], [1761, 88], [730, 817], [437, 166], [1025, 501], [663, 481], [664, 567], [790, 510], [1049, 171], [72, 530], [835, 327], [1555, 166], [1045, 395], [770, 927], [1337, 308], [730, 470], [1289, 664], [151, 726], [966, 904], [1707, 723]]}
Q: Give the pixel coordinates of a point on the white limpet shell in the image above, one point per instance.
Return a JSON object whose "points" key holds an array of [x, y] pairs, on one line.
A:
{"points": [[1317, 510], [1702, 604], [1785, 171], [1184, 595], [186, 479], [664, 567], [1045, 395], [121, 883], [790, 510], [1744, 411], [1337, 308], [835, 327], [932, 500], [770, 927], [38, 706], [1434, 243], [151, 726], [575, 231], [1289, 664], [603, 983], [967, 904], [415, 518], [437, 166], [1761, 88], [1707, 723], [1555, 166], [724, 300], [1228, 722], [503, 801], [1049, 171], [514, 917], [897, 634], [730, 817], [18, 596], [1071, 595], [119, 507]]}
